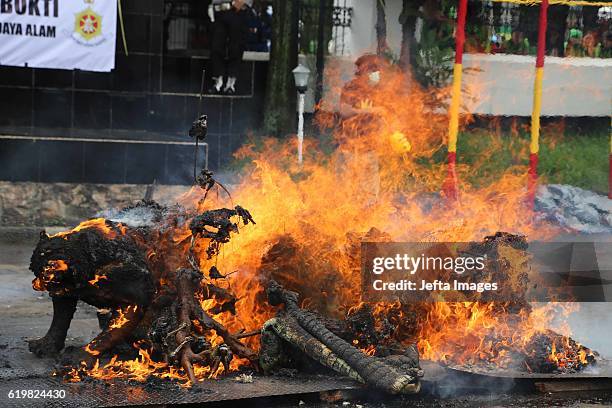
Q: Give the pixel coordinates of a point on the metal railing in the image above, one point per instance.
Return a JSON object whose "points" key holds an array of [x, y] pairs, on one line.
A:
{"points": [[188, 28], [337, 21], [501, 27]]}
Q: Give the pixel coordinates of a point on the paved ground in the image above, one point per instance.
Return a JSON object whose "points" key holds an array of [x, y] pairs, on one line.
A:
{"points": [[26, 314]]}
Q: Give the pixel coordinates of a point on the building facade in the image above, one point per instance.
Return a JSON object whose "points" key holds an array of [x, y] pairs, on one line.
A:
{"points": [[129, 125]]}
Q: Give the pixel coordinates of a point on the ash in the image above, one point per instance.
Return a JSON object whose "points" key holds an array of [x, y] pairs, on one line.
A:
{"points": [[574, 208]]}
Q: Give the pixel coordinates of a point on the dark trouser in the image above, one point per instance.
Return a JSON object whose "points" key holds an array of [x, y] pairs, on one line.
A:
{"points": [[228, 34]]}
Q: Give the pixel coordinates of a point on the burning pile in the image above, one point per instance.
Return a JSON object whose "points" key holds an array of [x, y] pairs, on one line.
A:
{"points": [[148, 293], [165, 318]]}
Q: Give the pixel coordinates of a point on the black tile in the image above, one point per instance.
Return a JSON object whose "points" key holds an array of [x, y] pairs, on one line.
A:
{"points": [[91, 110], [15, 76], [245, 74], [214, 150], [209, 106], [104, 162], [247, 115], [195, 76], [155, 74], [157, 7], [91, 133], [139, 6], [53, 78], [167, 114], [52, 108], [145, 163], [228, 144], [19, 160], [42, 131], [16, 107], [130, 112], [179, 165], [175, 74], [93, 80], [131, 73], [156, 35], [137, 29], [61, 161], [225, 114]]}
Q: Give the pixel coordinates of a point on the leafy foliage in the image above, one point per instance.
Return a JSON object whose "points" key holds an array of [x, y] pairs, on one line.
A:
{"points": [[434, 61]]}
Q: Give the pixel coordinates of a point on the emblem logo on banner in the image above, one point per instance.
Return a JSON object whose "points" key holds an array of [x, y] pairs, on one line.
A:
{"points": [[88, 26], [60, 34]]}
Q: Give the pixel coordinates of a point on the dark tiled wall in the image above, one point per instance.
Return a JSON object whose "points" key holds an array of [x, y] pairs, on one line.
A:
{"points": [[95, 162], [150, 95]]}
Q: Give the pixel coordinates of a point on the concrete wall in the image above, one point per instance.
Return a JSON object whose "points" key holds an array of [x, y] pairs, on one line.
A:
{"points": [[503, 85], [48, 204]]}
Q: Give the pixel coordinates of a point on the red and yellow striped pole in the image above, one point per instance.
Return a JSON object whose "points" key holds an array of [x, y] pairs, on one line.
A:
{"points": [[450, 185], [534, 146]]}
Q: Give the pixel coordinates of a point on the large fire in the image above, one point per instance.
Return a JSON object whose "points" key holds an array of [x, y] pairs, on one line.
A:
{"points": [[380, 174]]}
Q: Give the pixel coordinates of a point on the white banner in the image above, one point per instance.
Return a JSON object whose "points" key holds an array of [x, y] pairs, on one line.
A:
{"points": [[65, 34]]}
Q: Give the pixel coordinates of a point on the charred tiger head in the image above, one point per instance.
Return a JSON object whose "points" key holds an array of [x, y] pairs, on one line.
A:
{"points": [[99, 263]]}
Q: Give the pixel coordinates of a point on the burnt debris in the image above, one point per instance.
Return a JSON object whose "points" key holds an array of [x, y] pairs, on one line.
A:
{"points": [[217, 225]]}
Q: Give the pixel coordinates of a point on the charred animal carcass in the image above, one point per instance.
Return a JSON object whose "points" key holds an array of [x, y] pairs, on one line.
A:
{"points": [[100, 265], [153, 293]]}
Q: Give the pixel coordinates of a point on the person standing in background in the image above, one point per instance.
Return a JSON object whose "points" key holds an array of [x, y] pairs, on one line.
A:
{"points": [[228, 36]]}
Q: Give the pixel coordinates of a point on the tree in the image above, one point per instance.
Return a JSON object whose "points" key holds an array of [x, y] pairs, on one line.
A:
{"points": [[408, 19], [432, 15], [430, 11], [279, 105], [381, 28]]}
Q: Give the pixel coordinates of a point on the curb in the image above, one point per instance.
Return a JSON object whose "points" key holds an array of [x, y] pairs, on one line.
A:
{"points": [[25, 234]]}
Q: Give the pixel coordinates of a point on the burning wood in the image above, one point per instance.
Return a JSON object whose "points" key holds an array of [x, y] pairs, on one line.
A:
{"points": [[307, 332], [497, 335]]}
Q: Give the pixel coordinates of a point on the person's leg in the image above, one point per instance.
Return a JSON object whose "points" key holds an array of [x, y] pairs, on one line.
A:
{"points": [[217, 50], [237, 30]]}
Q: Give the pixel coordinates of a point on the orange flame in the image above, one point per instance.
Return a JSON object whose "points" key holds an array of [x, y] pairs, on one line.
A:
{"points": [[49, 272], [97, 279], [97, 223], [383, 174], [121, 319]]}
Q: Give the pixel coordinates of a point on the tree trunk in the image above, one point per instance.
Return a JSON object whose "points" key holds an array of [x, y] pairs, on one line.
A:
{"points": [[407, 20], [280, 101], [324, 33], [381, 28]]}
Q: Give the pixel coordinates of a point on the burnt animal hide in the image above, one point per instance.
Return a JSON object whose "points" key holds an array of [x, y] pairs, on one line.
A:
{"points": [[86, 265], [126, 270]]}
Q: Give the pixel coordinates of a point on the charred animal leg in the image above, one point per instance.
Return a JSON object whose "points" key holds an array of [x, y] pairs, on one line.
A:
{"points": [[116, 332], [53, 341]]}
